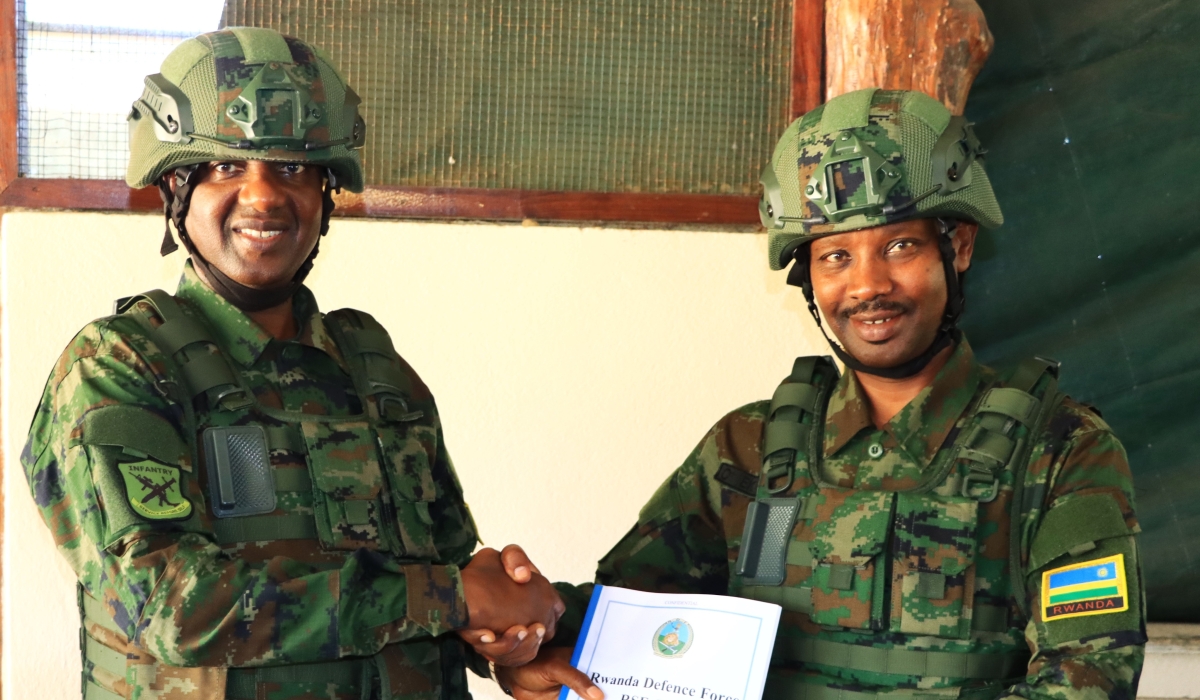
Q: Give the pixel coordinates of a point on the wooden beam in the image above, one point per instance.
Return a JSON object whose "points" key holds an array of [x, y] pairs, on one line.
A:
{"points": [[808, 56], [8, 173], [8, 92], [935, 46], [424, 203]]}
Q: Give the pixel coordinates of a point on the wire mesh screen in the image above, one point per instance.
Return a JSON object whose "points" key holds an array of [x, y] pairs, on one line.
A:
{"points": [[615, 96], [76, 84]]}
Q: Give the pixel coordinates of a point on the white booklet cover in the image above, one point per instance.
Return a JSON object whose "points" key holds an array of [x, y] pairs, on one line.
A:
{"points": [[668, 646]]}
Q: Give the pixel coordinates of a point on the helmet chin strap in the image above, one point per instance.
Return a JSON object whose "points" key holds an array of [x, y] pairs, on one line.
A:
{"points": [[948, 332], [176, 204]]}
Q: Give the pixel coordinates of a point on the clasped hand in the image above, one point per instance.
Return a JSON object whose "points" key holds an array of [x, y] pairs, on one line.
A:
{"points": [[506, 592]]}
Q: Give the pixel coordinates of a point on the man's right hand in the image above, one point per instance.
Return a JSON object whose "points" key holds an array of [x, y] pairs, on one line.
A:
{"points": [[544, 677], [495, 601]]}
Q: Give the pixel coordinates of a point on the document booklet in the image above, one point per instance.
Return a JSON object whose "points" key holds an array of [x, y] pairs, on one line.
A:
{"points": [[668, 646]]}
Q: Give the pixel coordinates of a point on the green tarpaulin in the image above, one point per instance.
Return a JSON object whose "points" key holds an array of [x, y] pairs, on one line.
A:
{"points": [[1091, 111]]}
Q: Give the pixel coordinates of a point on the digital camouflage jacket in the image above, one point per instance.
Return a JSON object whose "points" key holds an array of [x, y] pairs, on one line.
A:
{"points": [[339, 584], [898, 585]]}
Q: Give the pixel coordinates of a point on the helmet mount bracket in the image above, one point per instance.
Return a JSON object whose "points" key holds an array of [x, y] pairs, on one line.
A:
{"points": [[847, 159]]}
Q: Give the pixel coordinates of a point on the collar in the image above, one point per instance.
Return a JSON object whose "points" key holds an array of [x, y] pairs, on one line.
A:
{"points": [[920, 427], [241, 336]]}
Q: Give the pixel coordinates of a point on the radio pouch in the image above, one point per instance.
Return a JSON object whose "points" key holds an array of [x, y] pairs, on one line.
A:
{"points": [[762, 559], [239, 471]]}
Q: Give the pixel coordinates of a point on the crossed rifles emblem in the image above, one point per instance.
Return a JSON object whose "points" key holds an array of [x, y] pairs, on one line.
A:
{"points": [[158, 491]]}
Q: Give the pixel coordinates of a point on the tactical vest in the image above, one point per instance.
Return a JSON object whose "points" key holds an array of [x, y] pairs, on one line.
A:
{"points": [[881, 561], [373, 505]]}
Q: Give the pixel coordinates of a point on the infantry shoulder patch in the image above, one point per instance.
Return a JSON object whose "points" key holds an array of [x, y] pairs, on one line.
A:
{"points": [[154, 490], [1094, 587]]}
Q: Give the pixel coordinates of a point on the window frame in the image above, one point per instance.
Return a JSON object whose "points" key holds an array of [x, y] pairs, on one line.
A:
{"points": [[807, 79]]}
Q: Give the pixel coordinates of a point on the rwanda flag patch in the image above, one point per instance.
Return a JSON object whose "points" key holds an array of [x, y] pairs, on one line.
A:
{"points": [[1094, 587]]}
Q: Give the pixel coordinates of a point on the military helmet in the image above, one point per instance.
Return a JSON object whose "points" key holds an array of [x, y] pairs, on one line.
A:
{"points": [[245, 93], [869, 158]]}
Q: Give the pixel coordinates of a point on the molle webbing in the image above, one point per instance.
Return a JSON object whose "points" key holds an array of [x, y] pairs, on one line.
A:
{"points": [[987, 447], [198, 365], [796, 407], [186, 341], [368, 350], [792, 687], [998, 437], [265, 528], [1027, 377], [349, 676], [793, 422], [903, 662]]}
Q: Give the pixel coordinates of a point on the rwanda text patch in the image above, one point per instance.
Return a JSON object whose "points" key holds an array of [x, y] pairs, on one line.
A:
{"points": [[1092, 588]]}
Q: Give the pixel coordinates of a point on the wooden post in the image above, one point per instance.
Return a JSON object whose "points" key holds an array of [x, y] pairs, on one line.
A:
{"points": [[8, 92], [935, 46]]}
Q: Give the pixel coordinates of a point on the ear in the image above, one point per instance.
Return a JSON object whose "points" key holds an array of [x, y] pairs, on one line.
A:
{"points": [[170, 178], [964, 245]]}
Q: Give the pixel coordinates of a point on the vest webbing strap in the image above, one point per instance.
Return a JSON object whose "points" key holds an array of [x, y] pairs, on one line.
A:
{"points": [[793, 688], [790, 599], [903, 662], [261, 528], [369, 351], [989, 618], [108, 659], [242, 683], [292, 481], [91, 691], [202, 370], [285, 437], [802, 396], [785, 435]]}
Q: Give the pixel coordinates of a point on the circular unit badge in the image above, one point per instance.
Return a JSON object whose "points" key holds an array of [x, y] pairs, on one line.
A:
{"points": [[672, 639]]}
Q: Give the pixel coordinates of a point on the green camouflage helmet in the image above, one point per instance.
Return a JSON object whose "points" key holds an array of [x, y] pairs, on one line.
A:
{"points": [[869, 158], [244, 93]]}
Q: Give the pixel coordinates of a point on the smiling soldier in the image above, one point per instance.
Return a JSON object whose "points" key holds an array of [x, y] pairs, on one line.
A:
{"points": [[931, 527], [256, 496]]}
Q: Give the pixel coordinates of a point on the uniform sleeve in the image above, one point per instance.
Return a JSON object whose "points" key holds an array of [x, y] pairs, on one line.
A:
{"points": [[456, 534], [154, 564], [1084, 588], [676, 546]]}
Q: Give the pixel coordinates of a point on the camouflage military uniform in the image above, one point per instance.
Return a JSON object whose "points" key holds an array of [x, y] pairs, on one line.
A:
{"points": [[344, 589], [896, 586]]}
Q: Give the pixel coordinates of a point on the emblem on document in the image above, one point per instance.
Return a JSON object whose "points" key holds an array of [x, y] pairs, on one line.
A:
{"points": [[673, 638]]}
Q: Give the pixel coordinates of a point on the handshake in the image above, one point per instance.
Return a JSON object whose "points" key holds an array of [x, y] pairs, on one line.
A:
{"points": [[512, 610]]}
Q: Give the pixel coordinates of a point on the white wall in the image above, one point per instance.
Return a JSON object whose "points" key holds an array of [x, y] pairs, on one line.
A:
{"points": [[574, 369]]}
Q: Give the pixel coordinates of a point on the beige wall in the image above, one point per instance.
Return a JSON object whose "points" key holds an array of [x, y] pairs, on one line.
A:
{"points": [[574, 369]]}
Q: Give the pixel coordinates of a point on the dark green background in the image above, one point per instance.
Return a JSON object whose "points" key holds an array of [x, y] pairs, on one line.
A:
{"points": [[1091, 110]]}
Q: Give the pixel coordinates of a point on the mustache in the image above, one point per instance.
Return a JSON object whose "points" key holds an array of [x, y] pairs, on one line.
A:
{"points": [[872, 305]]}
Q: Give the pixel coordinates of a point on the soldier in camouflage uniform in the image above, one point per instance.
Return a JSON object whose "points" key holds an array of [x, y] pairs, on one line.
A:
{"points": [[931, 527], [256, 496]]}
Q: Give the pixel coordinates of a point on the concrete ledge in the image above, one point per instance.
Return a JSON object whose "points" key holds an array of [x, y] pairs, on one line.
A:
{"points": [[1172, 667]]}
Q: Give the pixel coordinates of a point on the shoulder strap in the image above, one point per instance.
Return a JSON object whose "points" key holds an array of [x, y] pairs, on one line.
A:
{"points": [[184, 340], [1040, 375], [375, 364], [997, 432], [792, 432], [797, 406]]}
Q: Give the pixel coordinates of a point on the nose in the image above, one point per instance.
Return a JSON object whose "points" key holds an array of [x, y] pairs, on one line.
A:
{"points": [[870, 278], [261, 190]]}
